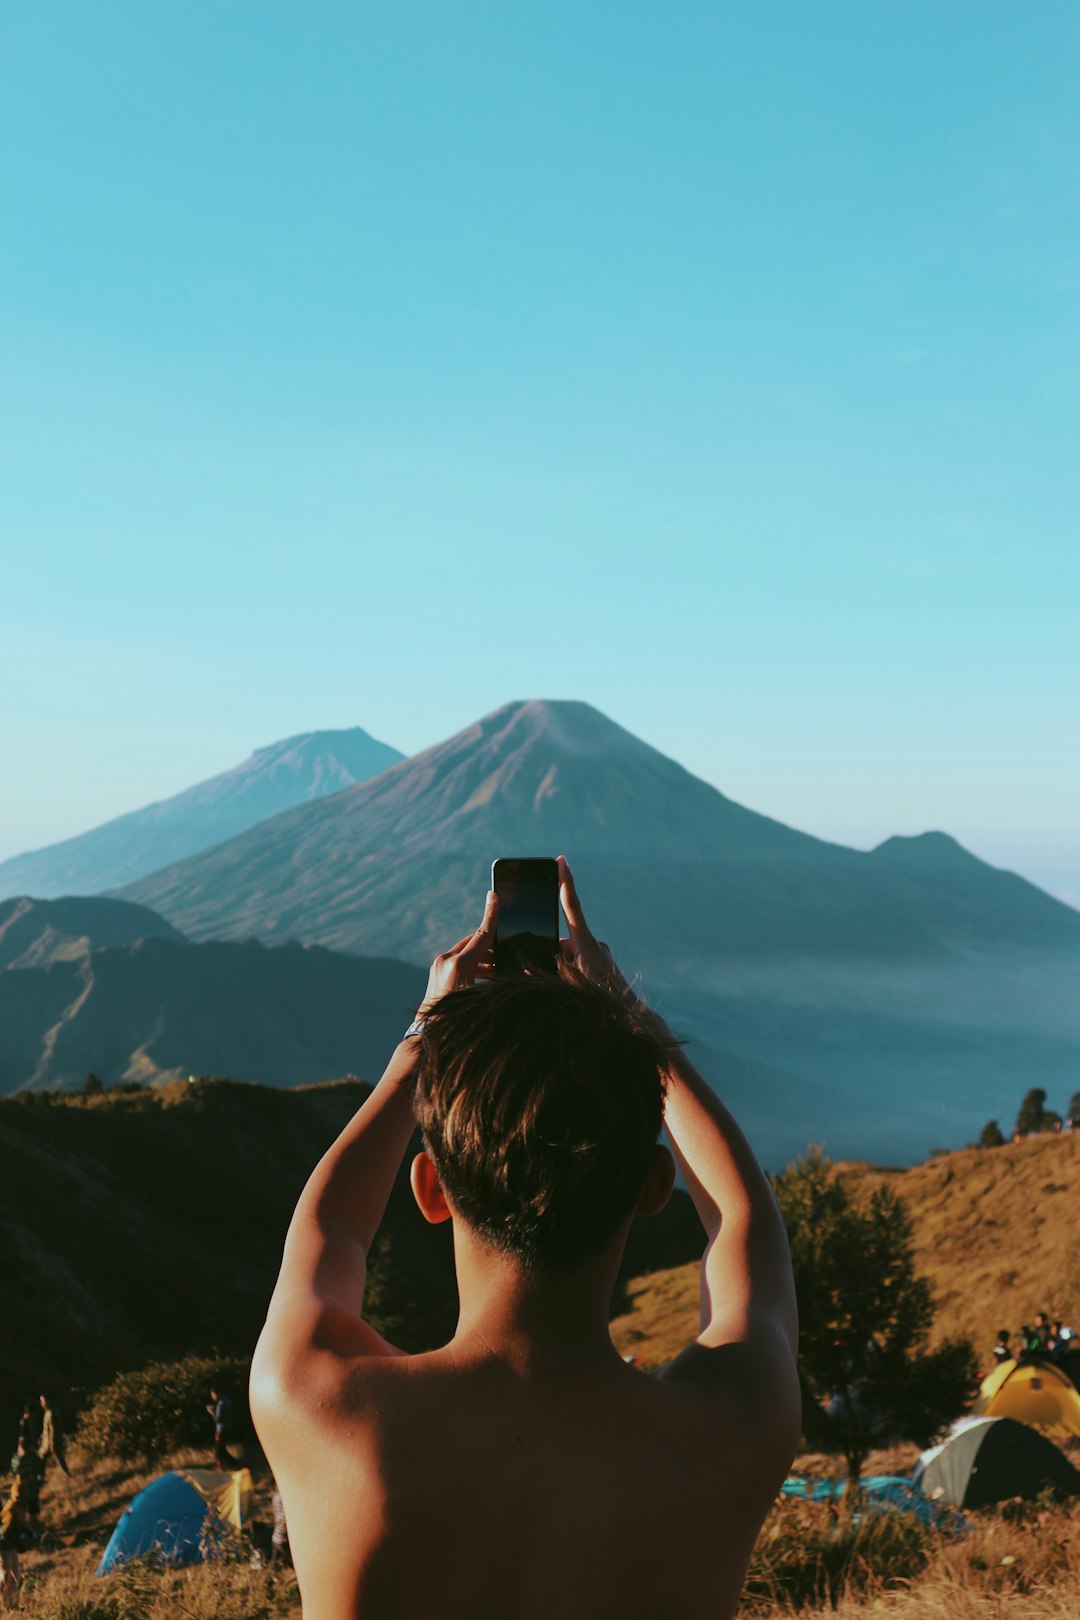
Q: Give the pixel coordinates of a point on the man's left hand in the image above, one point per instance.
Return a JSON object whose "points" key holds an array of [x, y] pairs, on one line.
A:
{"points": [[470, 959]]}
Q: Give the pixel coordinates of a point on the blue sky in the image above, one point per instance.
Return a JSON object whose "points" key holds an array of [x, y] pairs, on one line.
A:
{"points": [[379, 364]]}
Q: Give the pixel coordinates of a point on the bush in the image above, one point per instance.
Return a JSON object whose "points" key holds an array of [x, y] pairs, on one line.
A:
{"points": [[161, 1408]]}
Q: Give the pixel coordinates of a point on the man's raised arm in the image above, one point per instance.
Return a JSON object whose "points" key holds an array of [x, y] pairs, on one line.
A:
{"points": [[317, 1306], [747, 1288]]}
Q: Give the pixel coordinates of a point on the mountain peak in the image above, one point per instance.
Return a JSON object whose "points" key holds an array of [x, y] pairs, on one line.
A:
{"points": [[297, 770], [565, 723], [938, 848], [344, 741]]}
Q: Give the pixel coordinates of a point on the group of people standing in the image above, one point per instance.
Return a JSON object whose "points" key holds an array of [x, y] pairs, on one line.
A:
{"points": [[40, 1440], [1048, 1338]]}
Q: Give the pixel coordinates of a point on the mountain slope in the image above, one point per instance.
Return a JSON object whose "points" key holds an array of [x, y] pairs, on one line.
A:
{"points": [[680, 876], [995, 1234], [288, 773], [164, 1007], [34, 933], [888, 996]]}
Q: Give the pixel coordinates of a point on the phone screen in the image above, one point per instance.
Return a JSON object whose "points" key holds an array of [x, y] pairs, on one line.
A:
{"points": [[528, 929]]}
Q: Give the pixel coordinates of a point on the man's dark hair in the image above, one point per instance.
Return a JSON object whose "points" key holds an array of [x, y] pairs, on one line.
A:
{"points": [[540, 1099]]}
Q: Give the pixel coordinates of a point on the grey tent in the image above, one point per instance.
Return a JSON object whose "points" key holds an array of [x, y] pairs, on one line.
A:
{"points": [[987, 1459]]}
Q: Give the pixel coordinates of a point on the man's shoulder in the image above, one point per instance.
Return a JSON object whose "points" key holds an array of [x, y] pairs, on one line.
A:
{"points": [[748, 1387]]}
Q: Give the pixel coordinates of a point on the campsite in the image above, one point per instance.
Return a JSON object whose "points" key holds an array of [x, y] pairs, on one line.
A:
{"points": [[987, 1513]]}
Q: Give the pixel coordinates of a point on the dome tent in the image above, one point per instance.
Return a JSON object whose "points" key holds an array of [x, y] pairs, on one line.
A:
{"points": [[881, 1493], [181, 1514], [1034, 1392], [988, 1459]]}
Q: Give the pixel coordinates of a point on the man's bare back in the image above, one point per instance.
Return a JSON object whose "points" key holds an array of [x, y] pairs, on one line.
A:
{"points": [[524, 1470], [484, 1490]]}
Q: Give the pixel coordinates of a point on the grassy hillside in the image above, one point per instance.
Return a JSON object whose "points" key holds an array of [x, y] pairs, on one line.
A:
{"points": [[807, 1562], [997, 1232], [142, 1224], [145, 1224]]}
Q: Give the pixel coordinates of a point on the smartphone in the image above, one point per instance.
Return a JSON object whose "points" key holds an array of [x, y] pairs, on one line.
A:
{"points": [[527, 933]]}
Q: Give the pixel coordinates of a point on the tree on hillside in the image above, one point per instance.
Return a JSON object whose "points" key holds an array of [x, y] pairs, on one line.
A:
{"points": [[991, 1135], [865, 1318], [1034, 1116], [1073, 1112], [92, 1086]]}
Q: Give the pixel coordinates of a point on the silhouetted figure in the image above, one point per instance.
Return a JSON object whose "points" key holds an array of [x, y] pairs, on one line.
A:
{"points": [[51, 1443], [1001, 1348], [15, 1537], [1028, 1346], [279, 1537], [26, 1468], [28, 1432], [221, 1410]]}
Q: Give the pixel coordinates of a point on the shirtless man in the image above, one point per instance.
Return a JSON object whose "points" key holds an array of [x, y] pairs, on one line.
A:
{"points": [[524, 1471]]}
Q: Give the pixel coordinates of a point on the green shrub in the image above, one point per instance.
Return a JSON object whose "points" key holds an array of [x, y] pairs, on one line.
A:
{"points": [[162, 1407]]}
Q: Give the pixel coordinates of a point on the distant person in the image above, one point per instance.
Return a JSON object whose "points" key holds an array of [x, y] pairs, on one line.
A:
{"points": [[279, 1536], [523, 1468], [28, 1429], [221, 1410], [51, 1443], [26, 1468], [1001, 1348], [1029, 1342], [15, 1537], [1043, 1331]]}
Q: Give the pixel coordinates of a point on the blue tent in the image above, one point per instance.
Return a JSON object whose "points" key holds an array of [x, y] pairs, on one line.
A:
{"points": [[180, 1514], [883, 1493]]}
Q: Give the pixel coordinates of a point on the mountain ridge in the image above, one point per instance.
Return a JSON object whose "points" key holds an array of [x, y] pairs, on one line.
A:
{"points": [[296, 770], [562, 776], [893, 986], [126, 997]]}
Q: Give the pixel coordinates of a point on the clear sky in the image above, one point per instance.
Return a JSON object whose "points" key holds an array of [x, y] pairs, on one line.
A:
{"points": [[377, 364]]}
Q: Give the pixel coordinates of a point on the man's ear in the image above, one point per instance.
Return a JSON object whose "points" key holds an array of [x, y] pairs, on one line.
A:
{"points": [[659, 1180], [427, 1190]]}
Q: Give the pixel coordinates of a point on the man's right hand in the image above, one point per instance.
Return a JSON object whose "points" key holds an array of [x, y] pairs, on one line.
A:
{"points": [[588, 953]]}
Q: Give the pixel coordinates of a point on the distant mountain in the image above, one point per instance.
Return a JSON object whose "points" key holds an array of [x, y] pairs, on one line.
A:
{"points": [[153, 1006], [678, 874], [905, 990], [34, 933], [296, 771]]}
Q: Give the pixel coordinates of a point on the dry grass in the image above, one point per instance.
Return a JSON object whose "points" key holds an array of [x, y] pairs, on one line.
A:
{"points": [[812, 1561], [80, 1515], [1020, 1562], [996, 1234]]}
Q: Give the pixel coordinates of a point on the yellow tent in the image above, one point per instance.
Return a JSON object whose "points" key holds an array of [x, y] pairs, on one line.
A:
{"points": [[1036, 1393], [228, 1494]]}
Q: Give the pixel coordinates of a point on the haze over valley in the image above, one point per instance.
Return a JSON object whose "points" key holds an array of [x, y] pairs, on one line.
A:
{"points": [[883, 1002]]}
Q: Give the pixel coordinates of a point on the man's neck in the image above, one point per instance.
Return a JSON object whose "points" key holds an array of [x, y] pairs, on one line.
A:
{"points": [[528, 1319]]}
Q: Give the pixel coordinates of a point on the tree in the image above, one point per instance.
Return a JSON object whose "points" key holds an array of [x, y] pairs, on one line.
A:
{"points": [[991, 1135], [92, 1086], [1073, 1111], [1034, 1116], [865, 1318]]}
